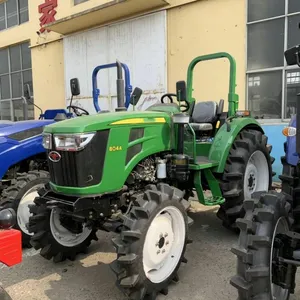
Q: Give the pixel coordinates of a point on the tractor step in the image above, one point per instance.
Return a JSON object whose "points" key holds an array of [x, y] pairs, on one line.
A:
{"points": [[212, 201], [202, 162]]}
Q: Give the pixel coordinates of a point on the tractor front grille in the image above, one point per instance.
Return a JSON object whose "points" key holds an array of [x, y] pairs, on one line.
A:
{"points": [[83, 168]]}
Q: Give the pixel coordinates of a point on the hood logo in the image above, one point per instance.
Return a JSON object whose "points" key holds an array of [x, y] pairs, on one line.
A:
{"points": [[54, 156]]}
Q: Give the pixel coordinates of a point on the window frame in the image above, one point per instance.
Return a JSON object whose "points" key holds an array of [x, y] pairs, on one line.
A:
{"points": [[75, 4], [283, 69], [18, 15], [10, 73]]}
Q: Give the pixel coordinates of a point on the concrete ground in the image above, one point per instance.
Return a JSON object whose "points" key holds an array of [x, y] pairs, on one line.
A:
{"points": [[205, 277]]}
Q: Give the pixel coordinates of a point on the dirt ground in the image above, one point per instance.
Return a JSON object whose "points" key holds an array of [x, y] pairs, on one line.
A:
{"points": [[205, 277]]}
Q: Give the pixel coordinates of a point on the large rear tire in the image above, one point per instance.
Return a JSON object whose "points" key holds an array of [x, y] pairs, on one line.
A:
{"points": [[152, 244], [52, 237], [20, 195], [248, 170], [266, 216]]}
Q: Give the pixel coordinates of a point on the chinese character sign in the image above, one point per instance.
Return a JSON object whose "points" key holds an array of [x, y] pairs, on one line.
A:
{"points": [[47, 9]]}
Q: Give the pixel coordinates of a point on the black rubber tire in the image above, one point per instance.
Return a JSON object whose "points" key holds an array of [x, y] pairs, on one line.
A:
{"points": [[128, 267], [232, 180], [4, 295], [12, 195], [254, 246], [291, 187], [39, 224]]}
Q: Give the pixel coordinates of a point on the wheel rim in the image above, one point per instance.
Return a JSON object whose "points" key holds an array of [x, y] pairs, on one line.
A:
{"points": [[62, 235], [23, 212], [277, 291], [256, 174], [164, 244]]}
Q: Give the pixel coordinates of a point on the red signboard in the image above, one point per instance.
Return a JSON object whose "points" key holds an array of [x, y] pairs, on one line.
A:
{"points": [[47, 9]]}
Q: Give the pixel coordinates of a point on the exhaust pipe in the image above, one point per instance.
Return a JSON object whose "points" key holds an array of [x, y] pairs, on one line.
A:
{"points": [[120, 88]]}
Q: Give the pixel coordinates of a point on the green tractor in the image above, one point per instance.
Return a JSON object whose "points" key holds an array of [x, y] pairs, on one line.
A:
{"points": [[133, 173]]}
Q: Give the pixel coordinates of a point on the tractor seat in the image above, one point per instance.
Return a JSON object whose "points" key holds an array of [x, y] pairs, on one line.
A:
{"points": [[205, 115]]}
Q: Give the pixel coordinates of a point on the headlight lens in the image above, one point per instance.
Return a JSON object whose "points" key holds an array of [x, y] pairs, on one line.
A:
{"points": [[47, 141], [72, 142]]}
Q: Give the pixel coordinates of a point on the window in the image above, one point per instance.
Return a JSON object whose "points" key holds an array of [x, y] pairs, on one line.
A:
{"points": [[15, 72], [12, 13], [79, 1], [273, 27]]}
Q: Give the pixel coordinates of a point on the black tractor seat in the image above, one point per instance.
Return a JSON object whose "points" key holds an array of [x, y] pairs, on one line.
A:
{"points": [[205, 115]]}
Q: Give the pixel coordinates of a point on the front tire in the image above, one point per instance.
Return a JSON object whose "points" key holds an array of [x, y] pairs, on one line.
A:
{"points": [[152, 244], [248, 170], [266, 215], [20, 195], [52, 237]]}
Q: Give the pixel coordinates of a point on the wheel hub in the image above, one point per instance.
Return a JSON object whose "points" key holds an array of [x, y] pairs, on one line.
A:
{"points": [[164, 244], [252, 181], [64, 236], [257, 174], [23, 213], [277, 291]]}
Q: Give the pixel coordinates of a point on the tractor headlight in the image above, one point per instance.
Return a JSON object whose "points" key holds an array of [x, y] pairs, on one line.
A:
{"points": [[72, 142], [47, 141]]}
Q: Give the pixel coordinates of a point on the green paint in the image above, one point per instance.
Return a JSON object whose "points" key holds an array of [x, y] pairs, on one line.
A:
{"points": [[223, 141], [102, 121], [156, 139], [216, 198], [233, 98]]}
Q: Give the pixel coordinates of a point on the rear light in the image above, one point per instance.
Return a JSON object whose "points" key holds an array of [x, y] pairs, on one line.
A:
{"points": [[289, 131], [243, 113], [72, 142]]}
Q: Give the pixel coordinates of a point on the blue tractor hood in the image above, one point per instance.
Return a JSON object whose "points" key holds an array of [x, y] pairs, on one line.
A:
{"points": [[7, 127], [19, 141]]}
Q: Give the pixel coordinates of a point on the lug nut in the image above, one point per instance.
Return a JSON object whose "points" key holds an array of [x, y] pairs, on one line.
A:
{"points": [[163, 251], [161, 235], [166, 234], [167, 242], [158, 252]]}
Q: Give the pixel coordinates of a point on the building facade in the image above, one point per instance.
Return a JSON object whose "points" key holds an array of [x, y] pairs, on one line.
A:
{"points": [[45, 43]]}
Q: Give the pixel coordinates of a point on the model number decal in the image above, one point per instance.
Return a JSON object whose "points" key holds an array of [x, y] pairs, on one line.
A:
{"points": [[115, 148]]}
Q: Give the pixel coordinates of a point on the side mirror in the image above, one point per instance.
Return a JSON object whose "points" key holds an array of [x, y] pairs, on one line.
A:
{"points": [[27, 91], [75, 87], [292, 56], [135, 96], [181, 90]]}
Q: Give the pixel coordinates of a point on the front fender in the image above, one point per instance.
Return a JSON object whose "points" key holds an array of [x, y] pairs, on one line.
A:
{"points": [[224, 140]]}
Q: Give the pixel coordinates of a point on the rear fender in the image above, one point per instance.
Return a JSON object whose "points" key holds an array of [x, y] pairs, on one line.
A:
{"points": [[10, 247], [223, 141]]}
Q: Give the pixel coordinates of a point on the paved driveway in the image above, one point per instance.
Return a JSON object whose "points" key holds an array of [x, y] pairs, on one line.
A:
{"points": [[205, 277]]}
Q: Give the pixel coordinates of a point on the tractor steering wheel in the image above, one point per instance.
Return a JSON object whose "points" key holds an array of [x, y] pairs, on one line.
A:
{"points": [[184, 107], [169, 96], [76, 110]]}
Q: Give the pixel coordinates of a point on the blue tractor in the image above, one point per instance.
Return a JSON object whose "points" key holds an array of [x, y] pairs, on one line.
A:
{"points": [[268, 250], [23, 161]]}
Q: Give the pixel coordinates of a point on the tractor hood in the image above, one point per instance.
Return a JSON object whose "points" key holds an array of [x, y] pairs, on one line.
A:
{"points": [[8, 128], [107, 120]]}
